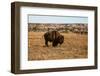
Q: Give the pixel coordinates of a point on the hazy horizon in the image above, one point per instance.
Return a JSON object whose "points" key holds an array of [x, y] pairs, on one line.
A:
{"points": [[56, 19]]}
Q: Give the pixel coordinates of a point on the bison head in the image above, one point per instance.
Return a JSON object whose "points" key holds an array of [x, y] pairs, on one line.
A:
{"points": [[59, 40]]}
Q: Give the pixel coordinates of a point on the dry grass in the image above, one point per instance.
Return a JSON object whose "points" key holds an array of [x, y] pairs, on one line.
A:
{"points": [[74, 46]]}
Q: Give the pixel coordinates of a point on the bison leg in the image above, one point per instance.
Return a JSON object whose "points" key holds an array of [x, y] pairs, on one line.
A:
{"points": [[46, 43], [54, 43]]}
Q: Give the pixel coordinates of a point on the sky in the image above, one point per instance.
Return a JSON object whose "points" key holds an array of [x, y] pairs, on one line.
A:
{"points": [[56, 19]]}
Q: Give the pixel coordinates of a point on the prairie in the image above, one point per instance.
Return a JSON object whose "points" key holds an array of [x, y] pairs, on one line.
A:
{"points": [[74, 47]]}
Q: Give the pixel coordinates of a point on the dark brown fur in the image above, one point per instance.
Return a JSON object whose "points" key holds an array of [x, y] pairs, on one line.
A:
{"points": [[53, 36]]}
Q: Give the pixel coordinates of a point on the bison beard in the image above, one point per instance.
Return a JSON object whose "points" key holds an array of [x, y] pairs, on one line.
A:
{"points": [[54, 37]]}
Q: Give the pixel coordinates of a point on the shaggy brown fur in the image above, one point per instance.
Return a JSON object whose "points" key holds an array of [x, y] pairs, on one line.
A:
{"points": [[53, 36]]}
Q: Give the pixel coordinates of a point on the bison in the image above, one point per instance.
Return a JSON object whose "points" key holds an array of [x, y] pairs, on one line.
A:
{"points": [[53, 36]]}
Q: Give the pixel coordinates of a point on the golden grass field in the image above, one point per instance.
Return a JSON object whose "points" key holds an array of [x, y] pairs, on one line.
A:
{"points": [[74, 46]]}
